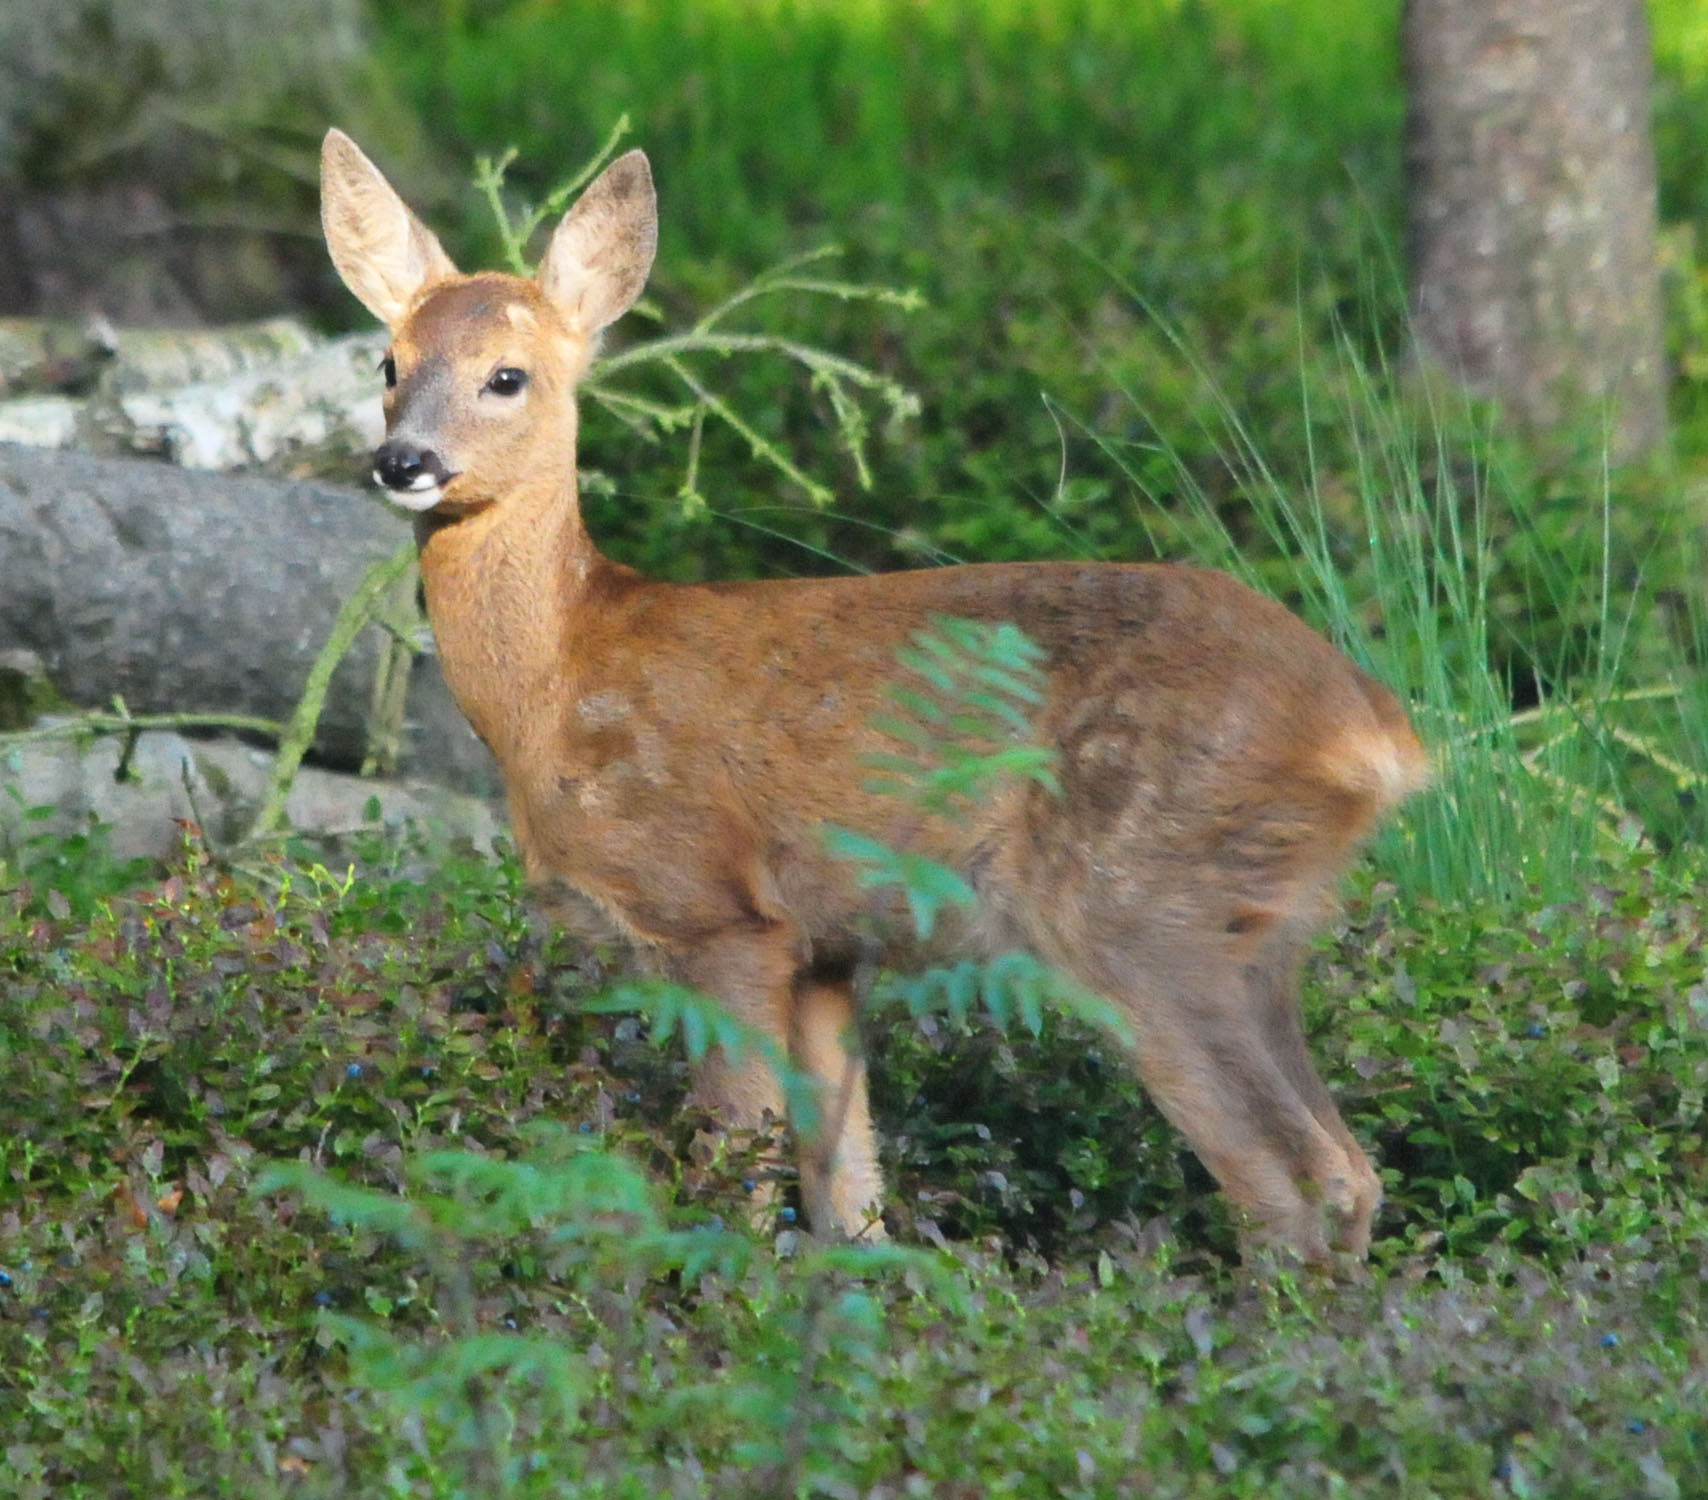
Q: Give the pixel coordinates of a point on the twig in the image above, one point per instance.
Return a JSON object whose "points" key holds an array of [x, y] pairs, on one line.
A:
{"points": [[693, 502], [400, 618], [761, 446], [489, 178], [359, 609], [94, 725], [702, 342]]}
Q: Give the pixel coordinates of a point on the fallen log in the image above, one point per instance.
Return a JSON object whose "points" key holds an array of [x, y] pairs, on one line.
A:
{"points": [[188, 592]]}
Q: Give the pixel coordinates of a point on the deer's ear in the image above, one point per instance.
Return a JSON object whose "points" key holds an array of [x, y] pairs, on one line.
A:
{"points": [[600, 254], [384, 254]]}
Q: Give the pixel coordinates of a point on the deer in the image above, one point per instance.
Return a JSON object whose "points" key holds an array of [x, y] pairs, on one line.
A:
{"points": [[672, 753]]}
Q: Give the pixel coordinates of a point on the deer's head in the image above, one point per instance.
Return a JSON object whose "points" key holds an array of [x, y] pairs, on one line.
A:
{"points": [[481, 372]]}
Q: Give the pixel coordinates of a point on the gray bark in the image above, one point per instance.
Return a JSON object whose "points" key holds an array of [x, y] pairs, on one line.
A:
{"points": [[1531, 189], [189, 592]]}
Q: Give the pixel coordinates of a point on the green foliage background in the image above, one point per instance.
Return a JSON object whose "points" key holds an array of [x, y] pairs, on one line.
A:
{"points": [[1068, 186]]}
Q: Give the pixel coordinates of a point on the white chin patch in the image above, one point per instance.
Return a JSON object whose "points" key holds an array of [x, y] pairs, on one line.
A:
{"points": [[422, 495]]}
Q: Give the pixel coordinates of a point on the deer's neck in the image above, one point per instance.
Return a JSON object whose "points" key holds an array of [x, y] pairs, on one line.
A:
{"points": [[503, 589]]}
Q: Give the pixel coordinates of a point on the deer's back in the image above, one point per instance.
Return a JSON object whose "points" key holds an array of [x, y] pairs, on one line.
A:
{"points": [[1210, 748]]}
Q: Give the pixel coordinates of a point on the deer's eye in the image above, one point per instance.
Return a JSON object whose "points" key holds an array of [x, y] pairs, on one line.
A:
{"points": [[507, 381], [388, 368]]}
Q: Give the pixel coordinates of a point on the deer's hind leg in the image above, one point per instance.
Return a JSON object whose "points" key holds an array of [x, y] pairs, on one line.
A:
{"points": [[1272, 989], [1220, 1050]]}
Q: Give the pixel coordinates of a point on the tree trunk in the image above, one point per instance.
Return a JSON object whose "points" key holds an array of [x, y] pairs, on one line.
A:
{"points": [[1531, 188]]}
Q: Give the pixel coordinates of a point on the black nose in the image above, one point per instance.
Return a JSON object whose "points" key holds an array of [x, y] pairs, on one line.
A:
{"points": [[400, 465]]}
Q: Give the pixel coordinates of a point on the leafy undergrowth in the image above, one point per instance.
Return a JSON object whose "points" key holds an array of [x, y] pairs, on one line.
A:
{"points": [[525, 1276]]}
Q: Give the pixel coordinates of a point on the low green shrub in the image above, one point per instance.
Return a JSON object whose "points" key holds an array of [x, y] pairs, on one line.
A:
{"points": [[460, 1316]]}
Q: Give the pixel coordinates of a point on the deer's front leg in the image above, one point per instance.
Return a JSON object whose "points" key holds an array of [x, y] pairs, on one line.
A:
{"points": [[755, 973], [841, 1182], [749, 970]]}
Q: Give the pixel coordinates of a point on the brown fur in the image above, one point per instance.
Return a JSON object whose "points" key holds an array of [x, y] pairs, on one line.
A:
{"points": [[673, 752]]}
